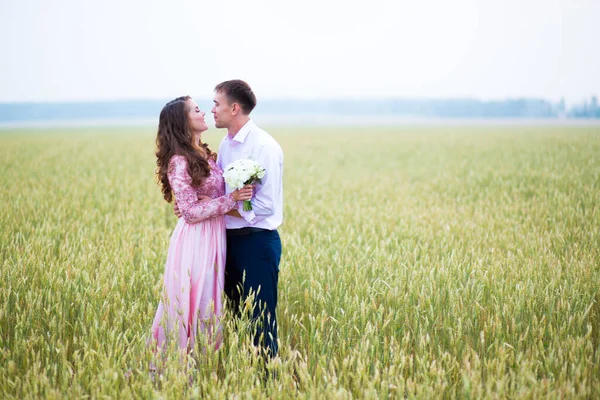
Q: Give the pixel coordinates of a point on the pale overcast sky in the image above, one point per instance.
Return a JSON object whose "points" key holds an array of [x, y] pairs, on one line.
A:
{"points": [[130, 49]]}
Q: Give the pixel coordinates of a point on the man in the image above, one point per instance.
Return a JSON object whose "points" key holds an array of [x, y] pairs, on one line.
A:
{"points": [[253, 243]]}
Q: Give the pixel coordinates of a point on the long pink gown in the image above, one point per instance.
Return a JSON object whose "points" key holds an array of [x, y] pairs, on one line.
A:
{"points": [[195, 267]]}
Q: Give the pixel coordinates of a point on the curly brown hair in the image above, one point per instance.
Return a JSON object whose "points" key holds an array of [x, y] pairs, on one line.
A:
{"points": [[175, 137]]}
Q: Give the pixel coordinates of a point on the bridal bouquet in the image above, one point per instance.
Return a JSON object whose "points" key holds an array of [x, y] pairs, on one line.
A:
{"points": [[243, 172]]}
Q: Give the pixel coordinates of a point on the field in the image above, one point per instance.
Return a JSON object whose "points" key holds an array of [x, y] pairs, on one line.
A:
{"points": [[418, 262]]}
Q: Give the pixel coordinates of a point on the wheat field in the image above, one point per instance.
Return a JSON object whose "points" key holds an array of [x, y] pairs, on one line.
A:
{"points": [[418, 262]]}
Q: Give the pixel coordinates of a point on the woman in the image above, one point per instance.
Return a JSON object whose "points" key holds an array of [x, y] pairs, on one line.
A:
{"points": [[194, 271]]}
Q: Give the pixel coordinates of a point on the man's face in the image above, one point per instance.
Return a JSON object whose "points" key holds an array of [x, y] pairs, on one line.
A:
{"points": [[222, 110]]}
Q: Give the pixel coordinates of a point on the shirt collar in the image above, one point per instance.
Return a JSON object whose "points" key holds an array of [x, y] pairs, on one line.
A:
{"points": [[243, 132]]}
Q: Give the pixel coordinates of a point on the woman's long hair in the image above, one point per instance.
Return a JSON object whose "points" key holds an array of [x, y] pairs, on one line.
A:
{"points": [[174, 136]]}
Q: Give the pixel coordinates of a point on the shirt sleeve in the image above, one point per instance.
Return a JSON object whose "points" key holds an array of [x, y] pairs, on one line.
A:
{"points": [[192, 210], [264, 201]]}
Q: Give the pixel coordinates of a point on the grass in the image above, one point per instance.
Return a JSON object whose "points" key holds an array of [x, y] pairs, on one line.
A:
{"points": [[417, 262]]}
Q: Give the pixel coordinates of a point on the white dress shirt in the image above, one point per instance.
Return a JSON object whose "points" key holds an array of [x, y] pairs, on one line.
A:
{"points": [[267, 204]]}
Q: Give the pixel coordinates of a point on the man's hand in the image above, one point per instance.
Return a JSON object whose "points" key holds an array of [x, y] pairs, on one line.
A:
{"points": [[234, 213], [177, 211]]}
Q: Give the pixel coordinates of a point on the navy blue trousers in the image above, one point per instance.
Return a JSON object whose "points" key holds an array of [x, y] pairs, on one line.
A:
{"points": [[253, 263]]}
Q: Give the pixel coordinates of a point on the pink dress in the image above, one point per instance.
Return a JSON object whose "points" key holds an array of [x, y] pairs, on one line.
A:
{"points": [[195, 268]]}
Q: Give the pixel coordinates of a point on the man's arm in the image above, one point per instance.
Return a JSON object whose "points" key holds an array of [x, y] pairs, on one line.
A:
{"points": [[234, 213], [270, 157]]}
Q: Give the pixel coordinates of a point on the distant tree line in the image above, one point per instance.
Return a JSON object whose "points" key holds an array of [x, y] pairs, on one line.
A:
{"points": [[589, 109], [88, 110], [426, 108]]}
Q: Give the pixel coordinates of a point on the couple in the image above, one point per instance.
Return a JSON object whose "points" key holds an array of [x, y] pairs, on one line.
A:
{"points": [[216, 245]]}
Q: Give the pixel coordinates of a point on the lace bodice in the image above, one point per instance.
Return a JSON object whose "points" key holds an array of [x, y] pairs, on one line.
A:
{"points": [[186, 196]]}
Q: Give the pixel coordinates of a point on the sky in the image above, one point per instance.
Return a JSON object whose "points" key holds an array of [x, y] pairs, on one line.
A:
{"points": [[70, 50]]}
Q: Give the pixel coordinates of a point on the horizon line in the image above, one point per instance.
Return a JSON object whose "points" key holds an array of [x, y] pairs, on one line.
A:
{"points": [[302, 99]]}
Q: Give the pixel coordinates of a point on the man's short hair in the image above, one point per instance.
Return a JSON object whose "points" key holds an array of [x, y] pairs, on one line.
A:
{"points": [[238, 91]]}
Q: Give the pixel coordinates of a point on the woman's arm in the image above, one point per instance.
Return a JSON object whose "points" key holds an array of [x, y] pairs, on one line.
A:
{"points": [[192, 210]]}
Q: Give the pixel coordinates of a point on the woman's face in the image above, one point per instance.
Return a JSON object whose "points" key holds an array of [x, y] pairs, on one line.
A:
{"points": [[196, 118]]}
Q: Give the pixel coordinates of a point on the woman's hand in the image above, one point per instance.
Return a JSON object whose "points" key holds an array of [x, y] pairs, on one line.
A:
{"points": [[244, 193]]}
